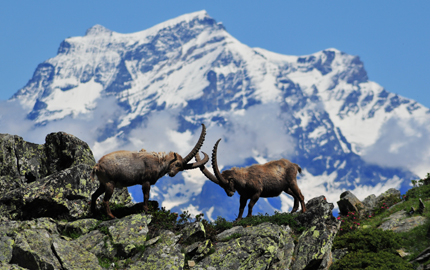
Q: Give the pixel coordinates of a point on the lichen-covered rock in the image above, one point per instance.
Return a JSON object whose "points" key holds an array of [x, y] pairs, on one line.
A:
{"points": [[349, 203], [64, 195], [6, 266], [193, 232], [339, 254], [164, 254], [98, 243], [65, 150], [199, 250], [314, 245], [81, 226], [61, 195], [255, 247], [129, 232], [6, 247], [49, 180], [48, 224], [369, 203], [228, 233], [8, 227], [389, 192], [32, 250], [23, 162], [73, 256], [402, 222]]}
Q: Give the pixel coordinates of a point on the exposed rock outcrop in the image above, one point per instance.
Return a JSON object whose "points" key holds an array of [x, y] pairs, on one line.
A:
{"points": [[45, 243], [48, 180], [349, 203], [46, 224]]}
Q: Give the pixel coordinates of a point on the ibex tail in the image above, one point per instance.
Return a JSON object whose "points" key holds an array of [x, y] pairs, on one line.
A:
{"points": [[94, 171]]}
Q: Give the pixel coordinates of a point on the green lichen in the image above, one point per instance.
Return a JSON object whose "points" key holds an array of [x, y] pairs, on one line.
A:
{"points": [[316, 234]]}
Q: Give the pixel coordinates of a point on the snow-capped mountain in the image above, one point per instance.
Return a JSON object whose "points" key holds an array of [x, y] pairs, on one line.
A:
{"points": [[152, 89]]}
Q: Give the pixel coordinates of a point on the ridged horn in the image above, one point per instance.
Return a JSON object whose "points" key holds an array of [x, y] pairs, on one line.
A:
{"points": [[199, 163], [206, 172], [215, 164], [196, 147]]}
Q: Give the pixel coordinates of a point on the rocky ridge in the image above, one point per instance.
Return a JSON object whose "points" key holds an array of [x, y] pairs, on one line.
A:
{"points": [[45, 222]]}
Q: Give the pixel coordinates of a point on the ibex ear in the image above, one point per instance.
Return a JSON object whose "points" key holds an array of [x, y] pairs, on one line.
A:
{"points": [[175, 157]]}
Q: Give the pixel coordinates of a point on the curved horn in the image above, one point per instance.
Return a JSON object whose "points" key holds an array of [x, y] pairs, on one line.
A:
{"points": [[199, 163], [215, 164], [196, 147], [206, 172]]}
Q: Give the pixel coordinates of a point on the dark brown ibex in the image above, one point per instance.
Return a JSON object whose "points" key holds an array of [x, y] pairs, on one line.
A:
{"points": [[126, 168], [258, 180]]}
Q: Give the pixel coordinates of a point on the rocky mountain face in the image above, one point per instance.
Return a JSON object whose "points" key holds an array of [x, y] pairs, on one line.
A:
{"points": [[152, 89], [45, 222]]}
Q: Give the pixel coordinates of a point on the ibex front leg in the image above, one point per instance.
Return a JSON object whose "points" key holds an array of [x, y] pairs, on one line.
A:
{"points": [[243, 201]]}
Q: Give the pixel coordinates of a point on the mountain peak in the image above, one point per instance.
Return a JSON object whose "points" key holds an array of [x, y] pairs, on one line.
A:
{"points": [[198, 17], [97, 30]]}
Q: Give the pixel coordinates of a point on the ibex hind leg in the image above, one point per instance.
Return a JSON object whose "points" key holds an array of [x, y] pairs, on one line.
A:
{"points": [[96, 194], [108, 194], [296, 190], [296, 200]]}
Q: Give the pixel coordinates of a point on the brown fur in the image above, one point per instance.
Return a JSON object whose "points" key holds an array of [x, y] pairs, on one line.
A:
{"points": [[258, 180], [126, 168]]}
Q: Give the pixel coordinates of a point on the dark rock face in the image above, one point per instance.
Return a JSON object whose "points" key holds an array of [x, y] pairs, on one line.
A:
{"points": [[314, 247], [64, 151], [349, 203], [24, 162], [49, 180], [20, 162]]}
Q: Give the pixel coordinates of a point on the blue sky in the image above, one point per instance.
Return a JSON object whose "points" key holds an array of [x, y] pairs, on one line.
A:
{"points": [[392, 38]]}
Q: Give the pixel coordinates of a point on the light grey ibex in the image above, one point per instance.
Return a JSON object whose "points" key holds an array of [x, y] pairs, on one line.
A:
{"points": [[126, 168], [258, 180]]}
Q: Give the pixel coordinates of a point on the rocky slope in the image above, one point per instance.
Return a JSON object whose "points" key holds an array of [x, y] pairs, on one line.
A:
{"points": [[45, 222]]}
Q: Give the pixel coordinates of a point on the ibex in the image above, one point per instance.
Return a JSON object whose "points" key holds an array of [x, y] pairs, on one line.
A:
{"points": [[258, 180], [126, 168]]}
